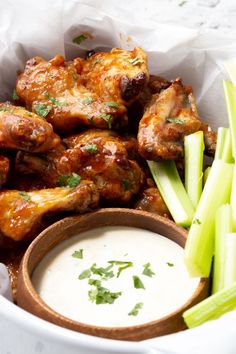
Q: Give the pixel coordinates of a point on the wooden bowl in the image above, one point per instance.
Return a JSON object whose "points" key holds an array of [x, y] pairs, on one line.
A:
{"points": [[28, 298]]}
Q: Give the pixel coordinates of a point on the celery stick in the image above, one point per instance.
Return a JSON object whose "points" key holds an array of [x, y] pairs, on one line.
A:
{"points": [[172, 190], [200, 242], [206, 174], [223, 225], [193, 159], [233, 198], [230, 66], [227, 150], [230, 259], [230, 97], [221, 134], [212, 307]]}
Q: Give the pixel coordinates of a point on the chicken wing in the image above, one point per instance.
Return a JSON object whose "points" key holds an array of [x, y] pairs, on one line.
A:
{"points": [[21, 213], [152, 201], [168, 117], [90, 92], [97, 155], [23, 130], [4, 169]]}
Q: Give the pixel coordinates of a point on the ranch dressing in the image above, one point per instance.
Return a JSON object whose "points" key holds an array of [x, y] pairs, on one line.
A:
{"points": [[56, 277]]}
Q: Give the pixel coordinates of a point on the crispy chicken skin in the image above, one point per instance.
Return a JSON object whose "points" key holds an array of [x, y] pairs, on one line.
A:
{"points": [[168, 117], [21, 213], [90, 92], [151, 200], [97, 155], [210, 139], [4, 169], [23, 130]]}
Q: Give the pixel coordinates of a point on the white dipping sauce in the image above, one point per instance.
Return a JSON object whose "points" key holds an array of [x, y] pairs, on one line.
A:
{"points": [[56, 277]]}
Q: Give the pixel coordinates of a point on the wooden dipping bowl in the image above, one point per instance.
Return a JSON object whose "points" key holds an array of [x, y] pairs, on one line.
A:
{"points": [[28, 299]]}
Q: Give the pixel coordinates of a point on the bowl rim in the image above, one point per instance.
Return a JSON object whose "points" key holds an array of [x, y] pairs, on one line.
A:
{"points": [[26, 277]]}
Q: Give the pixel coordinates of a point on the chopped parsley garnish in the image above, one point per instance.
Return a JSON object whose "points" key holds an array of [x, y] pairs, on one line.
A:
{"points": [[25, 196], [42, 109], [94, 282], [102, 295], [112, 104], [87, 100], [105, 273], [79, 39], [54, 100], [182, 3], [197, 221], [69, 180], [126, 184], [137, 282], [121, 266], [175, 120], [85, 274], [96, 61], [75, 76], [170, 264], [108, 118], [14, 95], [136, 309], [91, 148], [135, 61], [147, 271], [78, 254]]}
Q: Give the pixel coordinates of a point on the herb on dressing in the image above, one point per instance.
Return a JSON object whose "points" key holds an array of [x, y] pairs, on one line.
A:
{"points": [[102, 295], [175, 120], [85, 274], [137, 282], [108, 118], [122, 265], [135, 61], [14, 95], [105, 273], [79, 39], [25, 196], [91, 148], [78, 254], [136, 309], [147, 271], [112, 104], [42, 109], [170, 264], [69, 180]]}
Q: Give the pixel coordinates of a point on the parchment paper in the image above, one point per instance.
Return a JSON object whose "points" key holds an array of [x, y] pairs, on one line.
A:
{"points": [[45, 28]]}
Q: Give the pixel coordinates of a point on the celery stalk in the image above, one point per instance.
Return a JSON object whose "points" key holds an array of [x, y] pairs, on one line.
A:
{"points": [[167, 179], [223, 225], [230, 259], [206, 174], [221, 134], [233, 197], [193, 159], [227, 149], [230, 66], [230, 97], [200, 242], [212, 307]]}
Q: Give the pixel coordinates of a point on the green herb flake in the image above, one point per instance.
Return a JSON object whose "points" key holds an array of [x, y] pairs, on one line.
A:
{"points": [[121, 266], [197, 222], [102, 295], [147, 271], [108, 118], [14, 95], [54, 100], [135, 61], [79, 39], [182, 3], [137, 282], [25, 196], [105, 273], [174, 120], [75, 76], [136, 309], [91, 148], [96, 61], [126, 184], [170, 264], [42, 109], [78, 254], [112, 104], [85, 274], [94, 282], [87, 100], [69, 180]]}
